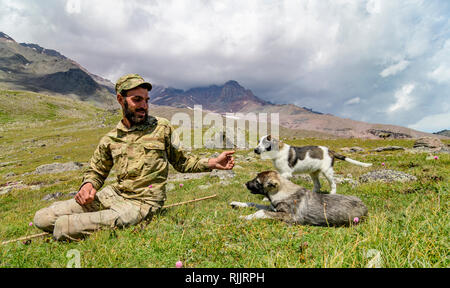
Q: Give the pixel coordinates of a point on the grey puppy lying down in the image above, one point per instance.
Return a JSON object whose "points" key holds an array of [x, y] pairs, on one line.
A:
{"points": [[297, 205]]}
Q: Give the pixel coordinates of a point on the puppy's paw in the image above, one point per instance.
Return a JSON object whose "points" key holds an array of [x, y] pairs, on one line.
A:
{"points": [[236, 204], [246, 217], [260, 214], [286, 175]]}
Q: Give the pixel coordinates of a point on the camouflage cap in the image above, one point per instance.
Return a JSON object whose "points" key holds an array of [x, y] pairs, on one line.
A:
{"points": [[131, 81]]}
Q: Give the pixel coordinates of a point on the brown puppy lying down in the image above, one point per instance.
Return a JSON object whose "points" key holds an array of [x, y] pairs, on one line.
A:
{"points": [[294, 204]]}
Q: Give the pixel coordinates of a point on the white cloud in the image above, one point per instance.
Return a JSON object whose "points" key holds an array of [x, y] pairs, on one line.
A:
{"points": [[404, 99], [441, 74], [433, 123], [73, 6], [440, 64], [394, 69], [373, 6], [353, 101], [321, 54]]}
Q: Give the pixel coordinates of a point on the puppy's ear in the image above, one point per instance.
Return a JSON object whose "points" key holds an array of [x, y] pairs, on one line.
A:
{"points": [[272, 184], [269, 137]]}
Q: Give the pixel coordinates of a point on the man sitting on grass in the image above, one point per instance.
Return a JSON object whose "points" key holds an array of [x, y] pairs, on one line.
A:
{"points": [[140, 148]]}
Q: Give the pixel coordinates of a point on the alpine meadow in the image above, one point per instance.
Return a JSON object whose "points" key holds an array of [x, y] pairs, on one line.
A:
{"points": [[407, 223]]}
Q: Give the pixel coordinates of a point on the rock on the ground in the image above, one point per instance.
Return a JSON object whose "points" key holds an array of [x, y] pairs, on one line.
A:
{"points": [[52, 196], [428, 142], [58, 167], [5, 190], [387, 175], [429, 145], [388, 148], [16, 185], [57, 195], [222, 174], [352, 149]]}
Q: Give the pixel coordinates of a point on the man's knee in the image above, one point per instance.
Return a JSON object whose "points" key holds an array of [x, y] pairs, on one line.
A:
{"points": [[44, 219], [63, 229], [128, 217]]}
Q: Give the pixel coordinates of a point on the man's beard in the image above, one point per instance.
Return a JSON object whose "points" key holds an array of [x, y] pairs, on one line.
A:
{"points": [[132, 117]]}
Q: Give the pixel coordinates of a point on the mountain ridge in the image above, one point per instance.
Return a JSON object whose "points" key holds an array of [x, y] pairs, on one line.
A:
{"points": [[232, 97], [28, 66]]}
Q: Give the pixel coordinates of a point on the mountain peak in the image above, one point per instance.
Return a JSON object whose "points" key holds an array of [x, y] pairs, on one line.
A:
{"points": [[232, 83], [5, 37], [42, 50]]}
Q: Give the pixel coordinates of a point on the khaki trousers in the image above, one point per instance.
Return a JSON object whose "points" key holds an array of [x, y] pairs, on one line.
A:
{"points": [[68, 220]]}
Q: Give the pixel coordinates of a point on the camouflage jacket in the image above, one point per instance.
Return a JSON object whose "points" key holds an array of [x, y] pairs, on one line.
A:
{"points": [[140, 155]]}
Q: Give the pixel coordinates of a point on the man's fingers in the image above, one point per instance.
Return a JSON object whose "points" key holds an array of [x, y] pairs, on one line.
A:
{"points": [[85, 195], [92, 193], [79, 199], [228, 153]]}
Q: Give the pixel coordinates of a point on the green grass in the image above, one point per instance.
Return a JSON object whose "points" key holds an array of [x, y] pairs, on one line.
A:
{"points": [[407, 223]]}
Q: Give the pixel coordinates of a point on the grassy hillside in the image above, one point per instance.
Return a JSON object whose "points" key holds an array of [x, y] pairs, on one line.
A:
{"points": [[407, 223]]}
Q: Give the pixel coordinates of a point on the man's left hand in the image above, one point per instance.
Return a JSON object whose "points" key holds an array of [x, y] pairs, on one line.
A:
{"points": [[225, 161]]}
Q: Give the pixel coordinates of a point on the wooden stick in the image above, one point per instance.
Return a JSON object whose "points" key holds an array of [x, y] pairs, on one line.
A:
{"points": [[26, 237], [167, 206], [190, 201]]}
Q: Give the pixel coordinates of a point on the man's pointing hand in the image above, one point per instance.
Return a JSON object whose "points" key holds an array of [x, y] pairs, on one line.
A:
{"points": [[225, 161]]}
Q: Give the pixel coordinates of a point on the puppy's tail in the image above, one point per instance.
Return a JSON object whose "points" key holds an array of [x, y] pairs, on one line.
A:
{"points": [[342, 157]]}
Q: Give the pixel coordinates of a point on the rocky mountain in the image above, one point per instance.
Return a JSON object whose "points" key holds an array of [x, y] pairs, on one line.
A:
{"points": [[232, 97], [229, 97], [26, 66], [444, 132]]}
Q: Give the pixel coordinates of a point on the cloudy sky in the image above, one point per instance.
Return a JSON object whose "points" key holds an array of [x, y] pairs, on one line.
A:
{"points": [[379, 61]]}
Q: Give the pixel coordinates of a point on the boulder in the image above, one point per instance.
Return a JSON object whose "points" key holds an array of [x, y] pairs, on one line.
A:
{"points": [[429, 145], [58, 168], [428, 142]]}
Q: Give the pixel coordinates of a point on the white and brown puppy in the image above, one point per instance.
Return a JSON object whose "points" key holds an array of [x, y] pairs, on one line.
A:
{"points": [[294, 204], [305, 159]]}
